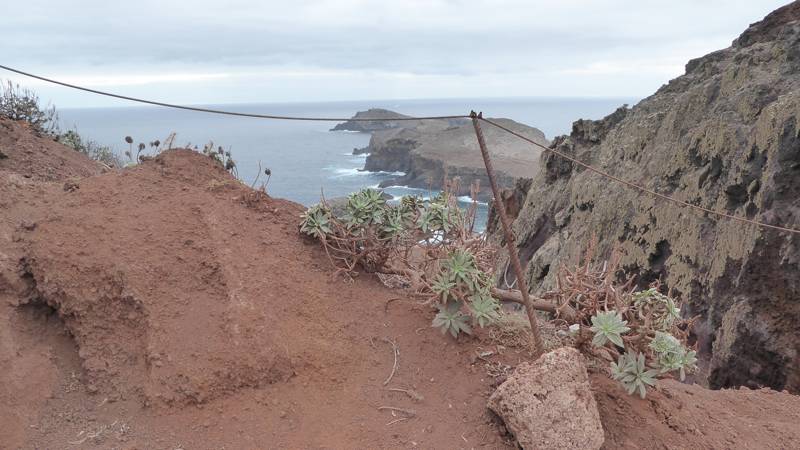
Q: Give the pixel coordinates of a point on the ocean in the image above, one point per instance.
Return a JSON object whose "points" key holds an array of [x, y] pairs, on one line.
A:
{"points": [[306, 159]]}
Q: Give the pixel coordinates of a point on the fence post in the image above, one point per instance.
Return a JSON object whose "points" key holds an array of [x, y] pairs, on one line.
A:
{"points": [[511, 245]]}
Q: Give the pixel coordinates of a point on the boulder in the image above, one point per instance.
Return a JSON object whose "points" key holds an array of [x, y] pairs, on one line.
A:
{"points": [[549, 403]]}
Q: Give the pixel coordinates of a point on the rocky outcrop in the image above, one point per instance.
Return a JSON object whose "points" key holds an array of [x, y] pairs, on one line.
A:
{"points": [[724, 136], [390, 150], [377, 113], [549, 403], [430, 153]]}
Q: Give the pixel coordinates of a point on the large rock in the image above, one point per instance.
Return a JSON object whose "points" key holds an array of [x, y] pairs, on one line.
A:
{"points": [[549, 403], [724, 136]]}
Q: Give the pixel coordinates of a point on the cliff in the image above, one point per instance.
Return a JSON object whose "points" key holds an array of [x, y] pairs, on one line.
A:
{"points": [[725, 135], [435, 149]]}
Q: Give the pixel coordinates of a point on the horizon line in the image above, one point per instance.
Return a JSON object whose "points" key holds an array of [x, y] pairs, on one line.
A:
{"points": [[412, 99]]}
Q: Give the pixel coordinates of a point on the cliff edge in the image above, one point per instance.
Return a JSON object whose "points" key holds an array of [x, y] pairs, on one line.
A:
{"points": [[725, 136], [429, 151]]}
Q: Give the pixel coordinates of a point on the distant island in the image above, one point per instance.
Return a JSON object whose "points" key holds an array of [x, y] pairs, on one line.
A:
{"points": [[429, 151]]}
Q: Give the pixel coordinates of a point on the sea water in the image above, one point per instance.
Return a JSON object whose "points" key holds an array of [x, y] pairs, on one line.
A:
{"points": [[305, 158]]}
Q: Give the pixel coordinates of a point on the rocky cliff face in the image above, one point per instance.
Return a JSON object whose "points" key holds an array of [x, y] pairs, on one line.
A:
{"points": [[726, 136], [430, 152]]}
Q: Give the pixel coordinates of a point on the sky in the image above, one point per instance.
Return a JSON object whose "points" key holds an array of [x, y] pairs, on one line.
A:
{"points": [[234, 51]]}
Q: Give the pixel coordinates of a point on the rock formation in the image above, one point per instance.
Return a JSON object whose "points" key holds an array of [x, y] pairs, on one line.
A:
{"points": [[726, 136], [427, 152], [378, 113], [549, 403]]}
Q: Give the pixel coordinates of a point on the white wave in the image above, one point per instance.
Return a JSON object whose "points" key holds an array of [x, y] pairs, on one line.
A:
{"points": [[391, 174], [468, 199], [412, 190], [340, 172]]}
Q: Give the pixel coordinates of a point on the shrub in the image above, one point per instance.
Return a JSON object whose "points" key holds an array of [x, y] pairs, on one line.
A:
{"points": [[642, 331], [22, 104], [430, 243], [18, 103], [90, 148]]}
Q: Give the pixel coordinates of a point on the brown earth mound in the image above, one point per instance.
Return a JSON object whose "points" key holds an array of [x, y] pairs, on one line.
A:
{"points": [[195, 320], [676, 415], [164, 306], [40, 158]]}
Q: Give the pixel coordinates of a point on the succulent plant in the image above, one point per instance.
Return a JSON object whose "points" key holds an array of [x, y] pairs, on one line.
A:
{"points": [[365, 207], [660, 307], [632, 372], [484, 308], [671, 355], [442, 286], [608, 326], [451, 275], [450, 318], [316, 221], [461, 267]]}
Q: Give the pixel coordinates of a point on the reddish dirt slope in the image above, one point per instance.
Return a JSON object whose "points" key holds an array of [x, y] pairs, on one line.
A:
{"points": [[201, 322], [154, 308], [686, 416], [40, 158]]}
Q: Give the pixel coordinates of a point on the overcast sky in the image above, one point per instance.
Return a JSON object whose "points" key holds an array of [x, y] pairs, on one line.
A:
{"points": [[235, 51]]}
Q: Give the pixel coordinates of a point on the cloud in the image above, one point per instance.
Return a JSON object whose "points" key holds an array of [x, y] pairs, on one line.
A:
{"points": [[626, 67], [122, 80], [455, 46]]}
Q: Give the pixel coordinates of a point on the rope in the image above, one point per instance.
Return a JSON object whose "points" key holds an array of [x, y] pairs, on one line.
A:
{"points": [[227, 113], [641, 188], [332, 119]]}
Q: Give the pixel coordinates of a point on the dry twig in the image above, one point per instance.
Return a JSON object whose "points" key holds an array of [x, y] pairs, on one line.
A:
{"points": [[408, 412], [416, 396], [396, 353]]}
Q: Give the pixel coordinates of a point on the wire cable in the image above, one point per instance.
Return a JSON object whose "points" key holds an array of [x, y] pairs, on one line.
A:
{"points": [[332, 119], [227, 113]]}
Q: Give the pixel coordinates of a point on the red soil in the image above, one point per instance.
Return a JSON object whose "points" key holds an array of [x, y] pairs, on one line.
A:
{"points": [[155, 307]]}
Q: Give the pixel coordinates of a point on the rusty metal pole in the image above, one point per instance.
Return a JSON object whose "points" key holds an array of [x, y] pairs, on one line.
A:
{"points": [[510, 242]]}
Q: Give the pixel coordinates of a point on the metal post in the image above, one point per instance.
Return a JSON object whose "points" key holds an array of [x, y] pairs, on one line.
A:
{"points": [[510, 242]]}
